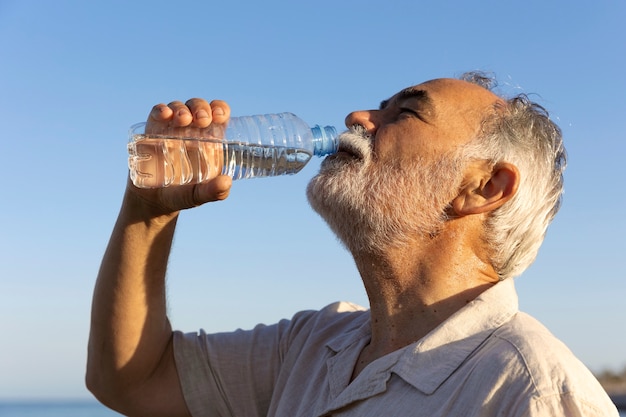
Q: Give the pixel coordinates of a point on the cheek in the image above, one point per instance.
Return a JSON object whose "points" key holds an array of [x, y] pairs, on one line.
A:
{"points": [[400, 142], [389, 144]]}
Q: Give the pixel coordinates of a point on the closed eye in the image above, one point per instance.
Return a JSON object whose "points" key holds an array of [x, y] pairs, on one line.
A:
{"points": [[412, 112]]}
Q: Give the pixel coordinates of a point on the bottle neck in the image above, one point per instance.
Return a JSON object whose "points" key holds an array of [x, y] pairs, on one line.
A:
{"points": [[324, 140]]}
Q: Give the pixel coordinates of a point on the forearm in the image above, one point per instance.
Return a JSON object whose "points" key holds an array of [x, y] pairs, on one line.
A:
{"points": [[130, 365], [129, 327]]}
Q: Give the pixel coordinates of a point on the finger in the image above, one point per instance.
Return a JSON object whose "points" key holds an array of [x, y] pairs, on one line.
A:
{"points": [[201, 111], [215, 190], [160, 114], [182, 116], [220, 111]]}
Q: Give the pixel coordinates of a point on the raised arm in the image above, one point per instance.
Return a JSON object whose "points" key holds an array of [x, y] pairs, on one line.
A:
{"points": [[130, 365]]}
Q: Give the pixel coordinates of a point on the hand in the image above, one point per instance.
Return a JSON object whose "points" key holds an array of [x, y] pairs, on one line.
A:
{"points": [[195, 118]]}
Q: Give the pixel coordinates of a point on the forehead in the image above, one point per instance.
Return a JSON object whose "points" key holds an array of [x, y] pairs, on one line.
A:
{"points": [[447, 94]]}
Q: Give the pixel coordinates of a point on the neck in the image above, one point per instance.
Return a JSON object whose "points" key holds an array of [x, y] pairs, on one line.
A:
{"points": [[413, 288]]}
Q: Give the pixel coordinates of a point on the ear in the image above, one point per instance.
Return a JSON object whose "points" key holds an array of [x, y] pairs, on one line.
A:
{"points": [[486, 188]]}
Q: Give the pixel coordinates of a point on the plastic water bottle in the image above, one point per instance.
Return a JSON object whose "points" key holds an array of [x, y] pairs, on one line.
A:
{"points": [[249, 147]]}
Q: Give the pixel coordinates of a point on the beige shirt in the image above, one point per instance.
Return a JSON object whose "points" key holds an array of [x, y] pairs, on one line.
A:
{"points": [[488, 359]]}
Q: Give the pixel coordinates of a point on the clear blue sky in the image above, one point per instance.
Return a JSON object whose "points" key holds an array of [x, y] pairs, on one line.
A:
{"points": [[74, 75]]}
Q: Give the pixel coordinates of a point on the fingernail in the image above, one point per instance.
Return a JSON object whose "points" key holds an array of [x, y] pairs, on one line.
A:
{"points": [[202, 114], [218, 111]]}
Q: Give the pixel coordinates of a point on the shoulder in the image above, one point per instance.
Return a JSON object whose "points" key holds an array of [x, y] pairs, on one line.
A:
{"points": [[540, 364], [547, 359]]}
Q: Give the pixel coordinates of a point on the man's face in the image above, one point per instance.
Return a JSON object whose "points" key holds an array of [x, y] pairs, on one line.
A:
{"points": [[394, 182]]}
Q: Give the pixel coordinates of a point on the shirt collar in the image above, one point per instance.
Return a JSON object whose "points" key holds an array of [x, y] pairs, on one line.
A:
{"points": [[360, 332], [427, 363]]}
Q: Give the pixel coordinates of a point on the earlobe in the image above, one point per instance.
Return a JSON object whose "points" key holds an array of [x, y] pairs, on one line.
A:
{"points": [[488, 190]]}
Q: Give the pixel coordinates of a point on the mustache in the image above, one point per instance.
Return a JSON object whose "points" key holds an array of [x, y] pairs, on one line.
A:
{"points": [[357, 142]]}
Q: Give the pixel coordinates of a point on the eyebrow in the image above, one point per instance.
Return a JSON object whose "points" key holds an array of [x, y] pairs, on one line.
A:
{"points": [[411, 93]]}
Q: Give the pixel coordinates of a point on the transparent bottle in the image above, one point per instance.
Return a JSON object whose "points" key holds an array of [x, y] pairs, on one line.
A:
{"points": [[248, 147]]}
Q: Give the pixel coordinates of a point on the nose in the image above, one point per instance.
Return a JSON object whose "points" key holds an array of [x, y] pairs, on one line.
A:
{"points": [[366, 118]]}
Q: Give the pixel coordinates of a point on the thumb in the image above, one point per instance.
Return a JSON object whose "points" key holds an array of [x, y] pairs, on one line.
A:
{"points": [[215, 190]]}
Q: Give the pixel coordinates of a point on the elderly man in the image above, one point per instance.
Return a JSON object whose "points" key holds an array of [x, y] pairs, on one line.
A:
{"points": [[441, 195]]}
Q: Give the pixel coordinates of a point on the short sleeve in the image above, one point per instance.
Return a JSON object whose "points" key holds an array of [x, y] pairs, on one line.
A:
{"points": [[232, 374]]}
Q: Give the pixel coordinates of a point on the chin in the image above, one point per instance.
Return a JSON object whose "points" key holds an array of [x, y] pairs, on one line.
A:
{"points": [[328, 198], [341, 195]]}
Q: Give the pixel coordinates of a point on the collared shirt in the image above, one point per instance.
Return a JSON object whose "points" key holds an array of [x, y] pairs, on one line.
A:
{"points": [[488, 359]]}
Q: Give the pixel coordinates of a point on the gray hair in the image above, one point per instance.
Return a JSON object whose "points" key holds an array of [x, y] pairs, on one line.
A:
{"points": [[522, 133]]}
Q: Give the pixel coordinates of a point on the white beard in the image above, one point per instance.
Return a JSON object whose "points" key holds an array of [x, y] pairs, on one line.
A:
{"points": [[371, 207]]}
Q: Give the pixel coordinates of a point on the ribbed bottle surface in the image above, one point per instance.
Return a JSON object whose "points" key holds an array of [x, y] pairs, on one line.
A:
{"points": [[253, 146]]}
